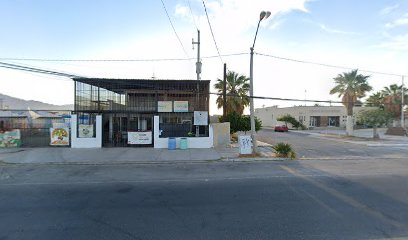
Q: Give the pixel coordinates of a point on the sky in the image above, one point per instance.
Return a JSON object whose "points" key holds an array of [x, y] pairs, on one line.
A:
{"points": [[365, 34]]}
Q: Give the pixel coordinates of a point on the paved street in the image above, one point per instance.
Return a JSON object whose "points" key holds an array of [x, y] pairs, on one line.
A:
{"points": [[313, 199], [312, 146]]}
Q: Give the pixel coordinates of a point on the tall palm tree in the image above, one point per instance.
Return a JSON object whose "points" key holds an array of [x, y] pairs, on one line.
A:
{"points": [[375, 100], [351, 86], [392, 99], [237, 92]]}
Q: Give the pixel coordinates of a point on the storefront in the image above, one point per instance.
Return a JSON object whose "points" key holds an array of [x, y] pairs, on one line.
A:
{"points": [[128, 108]]}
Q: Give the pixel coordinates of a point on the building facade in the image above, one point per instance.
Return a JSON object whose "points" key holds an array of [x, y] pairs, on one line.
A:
{"points": [[130, 107], [309, 116]]}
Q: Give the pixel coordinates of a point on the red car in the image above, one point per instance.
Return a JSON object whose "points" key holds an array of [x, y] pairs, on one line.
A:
{"points": [[281, 128]]}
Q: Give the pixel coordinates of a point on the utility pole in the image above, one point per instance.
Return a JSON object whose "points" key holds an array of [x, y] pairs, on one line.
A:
{"points": [[198, 71], [224, 94], [402, 104]]}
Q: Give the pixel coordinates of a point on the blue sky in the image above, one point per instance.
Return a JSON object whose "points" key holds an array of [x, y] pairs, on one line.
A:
{"points": [[362, 34]]}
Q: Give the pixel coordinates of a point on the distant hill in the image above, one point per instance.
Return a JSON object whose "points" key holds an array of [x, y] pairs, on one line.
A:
{"points": [[8, 102]]}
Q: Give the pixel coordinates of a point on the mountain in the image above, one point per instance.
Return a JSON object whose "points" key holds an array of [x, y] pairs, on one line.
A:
{"points": [[8, 102]]}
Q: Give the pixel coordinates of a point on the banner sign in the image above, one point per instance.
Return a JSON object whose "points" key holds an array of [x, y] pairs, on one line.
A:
{"points": [[180, 106], [165, 106], [59, 136], [140, 137], [201, 118], [85, 131], [10, 138]]}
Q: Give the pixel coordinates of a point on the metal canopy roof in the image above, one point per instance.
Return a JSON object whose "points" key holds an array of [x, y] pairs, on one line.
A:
{"points": [[120, 85]]}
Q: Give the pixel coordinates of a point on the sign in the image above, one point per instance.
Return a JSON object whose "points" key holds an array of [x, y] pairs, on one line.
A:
{"points": [[85, 131], [245, 144], [201, 118], [164, 106], [10, 138], [140, 137], [59, 136], [180, 106]]}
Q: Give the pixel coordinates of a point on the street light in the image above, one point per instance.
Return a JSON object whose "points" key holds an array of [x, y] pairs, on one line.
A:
{"points": [[263, 15]]}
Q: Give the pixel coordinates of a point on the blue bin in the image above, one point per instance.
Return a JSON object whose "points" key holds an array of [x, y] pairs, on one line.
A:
{"points": [[172, 143], [183, 143]]}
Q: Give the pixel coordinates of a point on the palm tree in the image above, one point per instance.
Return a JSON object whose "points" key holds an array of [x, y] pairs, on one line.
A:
{"points": [[375, 100], [392, 99], [350, 86], [237, 92]]}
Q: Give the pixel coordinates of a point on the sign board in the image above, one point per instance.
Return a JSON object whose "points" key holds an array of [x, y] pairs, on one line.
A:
{"points": [[245, 144], [10, 138], [201, 118], [165, 106], [59, 136], [140, 137], [85, 131], [180, 106]]}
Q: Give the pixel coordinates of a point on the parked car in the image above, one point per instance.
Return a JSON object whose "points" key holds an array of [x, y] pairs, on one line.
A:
{"points": [[281, 128]]}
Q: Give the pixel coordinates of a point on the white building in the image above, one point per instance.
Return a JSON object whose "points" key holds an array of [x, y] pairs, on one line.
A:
{"points": [[310, 116]]}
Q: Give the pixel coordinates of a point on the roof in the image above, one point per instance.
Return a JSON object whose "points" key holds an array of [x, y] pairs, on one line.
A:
{"points": [[119, 85]]}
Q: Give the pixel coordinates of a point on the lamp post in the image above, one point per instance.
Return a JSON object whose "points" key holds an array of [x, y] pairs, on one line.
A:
{"points": [[263, 15]]}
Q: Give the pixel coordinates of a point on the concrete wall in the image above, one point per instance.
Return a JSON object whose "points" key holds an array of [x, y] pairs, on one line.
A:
{"points": [[221, 134], [95, 142], [269, 115], [193, 142]]}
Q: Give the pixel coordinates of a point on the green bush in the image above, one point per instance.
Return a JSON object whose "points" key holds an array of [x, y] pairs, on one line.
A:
{"points": [[241, 123], [289, 119], [284, 150]]}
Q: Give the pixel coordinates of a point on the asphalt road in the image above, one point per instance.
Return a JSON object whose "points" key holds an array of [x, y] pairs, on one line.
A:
{"points": [[310, 146], [365, 199]]}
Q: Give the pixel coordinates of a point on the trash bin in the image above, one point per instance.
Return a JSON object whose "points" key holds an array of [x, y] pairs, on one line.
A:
{"points": [[184, 143], [172, 143]]}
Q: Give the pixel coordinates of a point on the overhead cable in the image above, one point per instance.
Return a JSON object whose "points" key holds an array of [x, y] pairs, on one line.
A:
{"points": [[328, 65], [212, 33], [174, 29]]}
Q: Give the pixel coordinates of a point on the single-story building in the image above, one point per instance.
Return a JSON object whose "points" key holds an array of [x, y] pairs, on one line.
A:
{"points": [[309, 116], [140, 112]]}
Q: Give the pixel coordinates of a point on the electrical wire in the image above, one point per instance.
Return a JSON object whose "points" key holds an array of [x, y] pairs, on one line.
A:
{"points": [[118, 60], [212, 33], [174, 29], [328, 65], [192, 15], [297, 100], [36, 70]]}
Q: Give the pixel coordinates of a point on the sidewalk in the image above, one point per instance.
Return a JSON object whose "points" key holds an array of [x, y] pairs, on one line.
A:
{"points": [[360, 136], [58, 155]]}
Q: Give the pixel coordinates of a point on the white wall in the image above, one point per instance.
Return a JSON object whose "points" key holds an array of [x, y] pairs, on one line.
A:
{"points": [[95, 142], [269, 115], [193, 142]]}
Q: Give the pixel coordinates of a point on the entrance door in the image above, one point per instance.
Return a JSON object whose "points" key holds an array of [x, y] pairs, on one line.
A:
{"points": [[118, 126]]}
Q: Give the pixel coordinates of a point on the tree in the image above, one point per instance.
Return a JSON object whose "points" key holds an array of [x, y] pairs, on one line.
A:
{"points": [[237, 92], [392, 99], [375, 118], [351, 86], [242, 123], [289, 119], [375, 100]]}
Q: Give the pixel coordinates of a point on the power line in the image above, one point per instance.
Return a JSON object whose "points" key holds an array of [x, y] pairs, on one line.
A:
{"points": [[192, 15], [175, 32], [328, 65], [36, 70], [118, 60], [297, 100], [212, 33]]}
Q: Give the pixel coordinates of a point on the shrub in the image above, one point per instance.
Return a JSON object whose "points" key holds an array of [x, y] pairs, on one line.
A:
{"points": [[241, 123], [284, 150]]}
